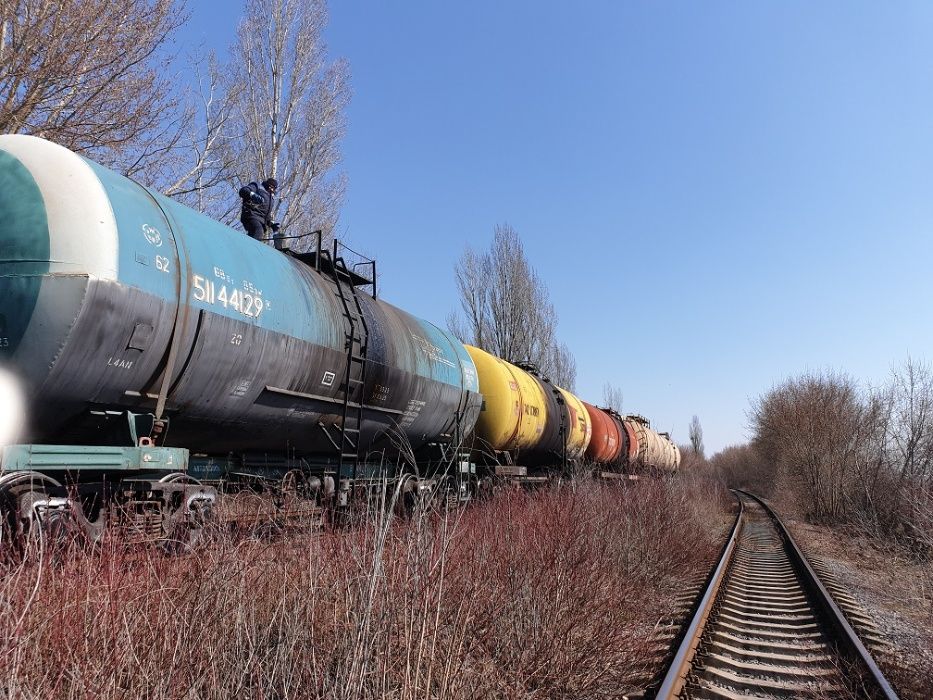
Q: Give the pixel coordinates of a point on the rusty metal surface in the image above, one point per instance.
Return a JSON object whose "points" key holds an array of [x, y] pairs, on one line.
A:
{"points": [[680, 666], [606, 443], [630, 440]]}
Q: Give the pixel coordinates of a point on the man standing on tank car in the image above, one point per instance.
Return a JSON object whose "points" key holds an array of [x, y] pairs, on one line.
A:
{"points": [[256, 214]]}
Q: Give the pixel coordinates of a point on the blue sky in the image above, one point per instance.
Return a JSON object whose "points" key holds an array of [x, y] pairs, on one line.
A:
{"points": [[719, 195]]}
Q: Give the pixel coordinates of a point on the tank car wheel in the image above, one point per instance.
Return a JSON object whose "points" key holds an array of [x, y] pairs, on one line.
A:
{"points": [[470, 488], [294, 486], [406, 498], [293, 482], [485, 487], [300, 501], [179, 478], [185, 527], [438, 500], [31, 520]]}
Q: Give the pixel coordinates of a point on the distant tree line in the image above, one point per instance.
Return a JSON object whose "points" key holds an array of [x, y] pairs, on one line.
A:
{"points": [[846, 454], [97, 77]]}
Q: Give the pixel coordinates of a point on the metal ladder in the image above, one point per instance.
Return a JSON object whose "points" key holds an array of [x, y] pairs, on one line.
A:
{"points": [[357, 346]]}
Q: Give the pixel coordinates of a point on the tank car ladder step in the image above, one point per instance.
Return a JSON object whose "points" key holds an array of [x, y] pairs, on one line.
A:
{"points": [[357, 346]]}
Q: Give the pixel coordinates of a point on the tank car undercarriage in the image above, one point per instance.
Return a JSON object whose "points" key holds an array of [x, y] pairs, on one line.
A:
{"points": [[151, 494], [168, 497], [36, 508]]}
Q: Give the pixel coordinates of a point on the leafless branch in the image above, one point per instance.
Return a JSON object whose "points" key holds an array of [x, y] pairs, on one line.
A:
{"points": [[507, 310], [93, 76]]}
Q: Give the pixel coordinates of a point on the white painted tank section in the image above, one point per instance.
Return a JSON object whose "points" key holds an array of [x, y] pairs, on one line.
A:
{"points": [[82, 227], [655, 450]]}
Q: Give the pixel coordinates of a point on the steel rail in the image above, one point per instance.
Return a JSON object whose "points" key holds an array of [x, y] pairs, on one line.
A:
{"points": [[837, 632], [844, 633], [677, 673]]}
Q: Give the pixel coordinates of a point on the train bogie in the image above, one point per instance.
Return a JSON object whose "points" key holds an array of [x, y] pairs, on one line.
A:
{"points": [[141, 493]]}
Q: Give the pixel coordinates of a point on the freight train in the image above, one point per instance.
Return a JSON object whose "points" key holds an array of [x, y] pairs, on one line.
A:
{"points": [[162, 354]]}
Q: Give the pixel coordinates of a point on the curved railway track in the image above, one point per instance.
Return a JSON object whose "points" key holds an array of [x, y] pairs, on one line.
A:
{"points": [[766, 627]]}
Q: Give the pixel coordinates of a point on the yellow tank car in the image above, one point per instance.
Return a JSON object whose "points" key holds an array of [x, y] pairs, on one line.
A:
{"points": [[581, 427], [514, 407]]}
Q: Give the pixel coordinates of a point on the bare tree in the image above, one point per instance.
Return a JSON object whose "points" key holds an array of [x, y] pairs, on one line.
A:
{"points": [[911, 424], [864, 457], [696, 437], [612, 397], [506, 308], [289, 103], [204, 169], [897, 482], [562, 367], [92, 76], [740, 466], [820, 434]]}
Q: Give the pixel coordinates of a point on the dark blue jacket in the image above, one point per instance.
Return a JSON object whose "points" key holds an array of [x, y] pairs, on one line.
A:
{"points": [[257, 204]]}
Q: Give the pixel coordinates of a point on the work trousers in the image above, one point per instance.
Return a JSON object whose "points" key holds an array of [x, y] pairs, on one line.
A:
{"points": [[254, 227]]}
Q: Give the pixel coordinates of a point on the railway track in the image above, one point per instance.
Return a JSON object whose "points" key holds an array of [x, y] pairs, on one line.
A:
{"points": [[766, 627]]}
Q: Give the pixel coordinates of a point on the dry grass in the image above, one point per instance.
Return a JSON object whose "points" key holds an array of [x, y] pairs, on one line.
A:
{"points": [[892, 589], [527, 595]]}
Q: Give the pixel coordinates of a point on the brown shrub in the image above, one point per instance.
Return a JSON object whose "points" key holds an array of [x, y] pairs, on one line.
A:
{"points": [[844, 455], [740, 466], [544, 594]]}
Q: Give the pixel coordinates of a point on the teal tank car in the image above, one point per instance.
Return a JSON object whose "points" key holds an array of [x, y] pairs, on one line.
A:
{"points": [[118, 301]]}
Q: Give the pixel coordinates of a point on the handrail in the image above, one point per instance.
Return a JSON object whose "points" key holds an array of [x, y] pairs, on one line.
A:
{"points": [[355, 252]]}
